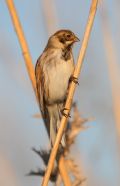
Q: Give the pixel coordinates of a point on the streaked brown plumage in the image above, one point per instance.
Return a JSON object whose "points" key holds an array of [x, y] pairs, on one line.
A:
{"points": [[53, 71]]}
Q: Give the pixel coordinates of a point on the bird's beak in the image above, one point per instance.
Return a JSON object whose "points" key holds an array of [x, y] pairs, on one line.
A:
{"points": [[76, 39]]}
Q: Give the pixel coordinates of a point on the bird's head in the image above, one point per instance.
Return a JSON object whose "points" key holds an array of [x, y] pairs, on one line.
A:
{"points": [[63, 39]]}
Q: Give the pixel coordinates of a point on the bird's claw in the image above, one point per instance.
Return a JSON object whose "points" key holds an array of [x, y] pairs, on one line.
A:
{"points": [[64, 114], [74, 79]]}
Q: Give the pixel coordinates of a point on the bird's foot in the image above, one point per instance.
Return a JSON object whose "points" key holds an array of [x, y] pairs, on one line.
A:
{"points": [[64, 114], [74, 79]]}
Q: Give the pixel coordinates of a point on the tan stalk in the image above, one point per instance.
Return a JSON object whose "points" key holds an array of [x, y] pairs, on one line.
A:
{"points": [[22, 41], [113, 66], [71, 91], [50, 15], [63, 172], [30, 69], [51, 24]]}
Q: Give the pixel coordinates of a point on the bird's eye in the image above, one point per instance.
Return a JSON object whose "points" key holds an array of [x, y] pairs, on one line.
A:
{"points": [[68, 35]]}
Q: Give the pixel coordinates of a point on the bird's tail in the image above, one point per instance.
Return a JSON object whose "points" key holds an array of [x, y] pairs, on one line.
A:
{"points": [[55, 118], [52, 117]]}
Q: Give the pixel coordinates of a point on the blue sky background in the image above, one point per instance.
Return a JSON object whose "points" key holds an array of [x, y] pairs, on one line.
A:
{"points": [[97, 147]]}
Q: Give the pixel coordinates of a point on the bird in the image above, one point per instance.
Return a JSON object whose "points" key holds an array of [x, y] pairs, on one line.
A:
{"points": [[53, 71]]}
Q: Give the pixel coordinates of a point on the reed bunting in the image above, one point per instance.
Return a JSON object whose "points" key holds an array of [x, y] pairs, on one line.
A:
{"points": [[53, 71]]}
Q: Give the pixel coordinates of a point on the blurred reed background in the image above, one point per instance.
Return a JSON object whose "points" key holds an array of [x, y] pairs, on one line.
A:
{"points": [[97, 148]]}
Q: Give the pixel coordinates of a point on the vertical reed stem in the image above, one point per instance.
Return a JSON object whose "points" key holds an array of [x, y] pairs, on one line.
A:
{"points": [[71, 91], [22, 41], [30, 69]]}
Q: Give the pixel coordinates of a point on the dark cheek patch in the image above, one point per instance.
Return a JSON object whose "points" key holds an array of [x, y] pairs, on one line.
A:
{"points": [[62, 40]]}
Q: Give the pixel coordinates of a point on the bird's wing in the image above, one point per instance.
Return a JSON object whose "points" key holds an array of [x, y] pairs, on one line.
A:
{"points": [[40, 85]]}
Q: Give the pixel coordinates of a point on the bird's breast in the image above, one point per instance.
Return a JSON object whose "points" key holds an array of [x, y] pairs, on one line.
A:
{"points": [[58, 74]]}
